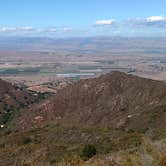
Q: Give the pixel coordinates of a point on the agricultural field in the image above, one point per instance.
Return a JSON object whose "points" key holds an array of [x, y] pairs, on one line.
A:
{"points": [[35, 62]]}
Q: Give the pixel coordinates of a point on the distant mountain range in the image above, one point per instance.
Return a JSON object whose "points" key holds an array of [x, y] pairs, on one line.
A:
{"points": [[93, 45]]}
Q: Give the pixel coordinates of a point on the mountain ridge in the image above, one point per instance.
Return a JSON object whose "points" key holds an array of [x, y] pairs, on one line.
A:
{"points": [[110, 100]]}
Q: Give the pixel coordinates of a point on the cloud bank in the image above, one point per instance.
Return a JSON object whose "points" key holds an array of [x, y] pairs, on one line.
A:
{"points": [[153, 21], [28, 30], [152, 25], [148, 26]]}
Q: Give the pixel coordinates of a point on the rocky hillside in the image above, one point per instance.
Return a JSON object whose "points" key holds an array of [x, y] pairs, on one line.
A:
{"points": [[114, 100]]}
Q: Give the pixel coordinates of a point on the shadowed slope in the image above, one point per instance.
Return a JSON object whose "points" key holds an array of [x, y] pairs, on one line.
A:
{"points": [[12, 98]]}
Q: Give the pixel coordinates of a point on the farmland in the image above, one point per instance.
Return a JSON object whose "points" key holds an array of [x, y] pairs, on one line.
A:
{"points": [[41, 60]]}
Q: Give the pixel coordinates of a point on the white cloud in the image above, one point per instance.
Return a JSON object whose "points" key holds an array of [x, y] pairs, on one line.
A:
{"points": [[53, 29], [26, 28], [32, 30], [16, 29], [7, 29], [67, 29], [155, 19], [58, 29], [153, 22], [104, 22]]}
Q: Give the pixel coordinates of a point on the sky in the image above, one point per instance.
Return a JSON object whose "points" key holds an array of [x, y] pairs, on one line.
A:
{"points": [[75, 18]]}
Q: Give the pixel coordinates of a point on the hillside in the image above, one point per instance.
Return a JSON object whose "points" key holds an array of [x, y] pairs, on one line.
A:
{"points": [[116, 100], [12, 98], [123, 116]]}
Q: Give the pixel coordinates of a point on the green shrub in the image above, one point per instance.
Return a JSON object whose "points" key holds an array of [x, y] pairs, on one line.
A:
{"points": [[26, 140], [5, 117], [88, 151], [130, 131]]}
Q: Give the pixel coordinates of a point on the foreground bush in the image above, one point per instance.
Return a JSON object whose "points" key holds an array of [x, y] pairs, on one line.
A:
{"points": [[88, 151], [26, 140]]}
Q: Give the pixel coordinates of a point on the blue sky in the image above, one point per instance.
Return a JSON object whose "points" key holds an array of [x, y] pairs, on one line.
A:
{"points": [[82, 17]]}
